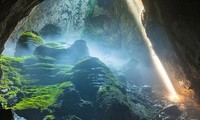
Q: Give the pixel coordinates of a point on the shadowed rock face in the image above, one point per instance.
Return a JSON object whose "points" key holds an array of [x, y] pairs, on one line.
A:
{"points": [[11, 13], [179, 21]]}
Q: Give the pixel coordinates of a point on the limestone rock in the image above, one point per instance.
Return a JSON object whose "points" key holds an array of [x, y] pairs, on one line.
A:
{"points": [[73, 104], [62, 54], [11, 14], [27, 43], [88, 75]]}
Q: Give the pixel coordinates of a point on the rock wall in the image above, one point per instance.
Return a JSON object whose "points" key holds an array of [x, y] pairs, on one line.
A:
{"points": [[53, 20], [11, 13], [112, 23], [179, 22], [106, 22]]}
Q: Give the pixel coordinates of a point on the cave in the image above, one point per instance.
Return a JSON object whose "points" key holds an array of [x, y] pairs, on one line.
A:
{"points": [[100, 60]]}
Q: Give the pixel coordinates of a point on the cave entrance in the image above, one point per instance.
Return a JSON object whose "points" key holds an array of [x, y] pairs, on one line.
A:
{"points": [[81, 59]]}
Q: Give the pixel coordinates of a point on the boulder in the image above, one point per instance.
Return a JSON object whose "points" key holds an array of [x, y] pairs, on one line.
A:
{"points": [[63, 54], [115, 105], [172, 110], [72, 104], [20, 95], [27, 43], [88, 75], [12, 101]]}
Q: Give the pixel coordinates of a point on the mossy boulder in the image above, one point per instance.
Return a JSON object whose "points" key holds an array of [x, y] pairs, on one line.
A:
{"points": [[40, 101], [89, 74], [44, 70], [115, 105], [63, 54], [27, 43]]}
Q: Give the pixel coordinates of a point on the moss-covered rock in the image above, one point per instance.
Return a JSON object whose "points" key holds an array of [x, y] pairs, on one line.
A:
{"points": [[27, 43], [12, 79], [89, 74], [41, 97], [40, 86], [73, 104], [40, 100], [63, 54], [115, 105]]}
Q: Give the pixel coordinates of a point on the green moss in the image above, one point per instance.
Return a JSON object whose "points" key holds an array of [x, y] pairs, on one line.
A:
{"points": [[92, 65], [11, 71], [37, 40], [41, 97], [38, 59], [66, 72], [107, 94], [55, 45], [49, 117], [11, 60]]}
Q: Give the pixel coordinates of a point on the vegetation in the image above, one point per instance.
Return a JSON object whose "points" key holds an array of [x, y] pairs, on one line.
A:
{"points": [[36, 96], [108, 96], [37, 40], [55, 45], [12, 77], [11, 71], [107, 91], [41, 97], [49, 117]]}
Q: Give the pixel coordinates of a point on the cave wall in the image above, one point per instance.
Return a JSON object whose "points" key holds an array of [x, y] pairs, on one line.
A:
{"points": [[111, 22], [11, 13], [53, 20], [179, 20], [108, 22]]}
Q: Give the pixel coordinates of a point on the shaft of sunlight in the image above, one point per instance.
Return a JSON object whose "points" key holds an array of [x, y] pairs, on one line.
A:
{"points": [[136, 8]]}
